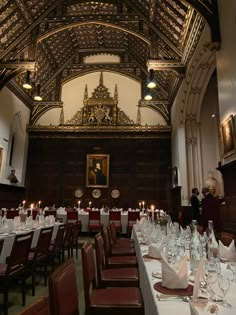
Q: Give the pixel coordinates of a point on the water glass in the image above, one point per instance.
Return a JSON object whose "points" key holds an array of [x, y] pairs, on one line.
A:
{"points": [[224, 285]]}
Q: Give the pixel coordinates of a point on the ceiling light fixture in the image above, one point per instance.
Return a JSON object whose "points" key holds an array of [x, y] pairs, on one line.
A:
{"points": [[151, 84], [27, 84], [37, 96], [148, 96]]}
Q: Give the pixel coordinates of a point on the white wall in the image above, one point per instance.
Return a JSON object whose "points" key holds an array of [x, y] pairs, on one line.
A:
{"points": [[129, 94], [14, 116], [226, 62]]}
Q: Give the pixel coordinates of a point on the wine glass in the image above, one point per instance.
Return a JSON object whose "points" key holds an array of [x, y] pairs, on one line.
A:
{"points": [[224, 285], [232, 267]]}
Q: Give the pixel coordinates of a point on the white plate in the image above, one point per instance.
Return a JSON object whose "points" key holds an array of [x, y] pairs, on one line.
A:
{"points": [[96, 193], [79, 193], [115, 193]]}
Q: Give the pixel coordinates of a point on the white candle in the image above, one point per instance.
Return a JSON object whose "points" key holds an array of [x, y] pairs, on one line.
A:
{"points": [[32, 206], [79, 203], [143, 203], [39, 203], [90, 202], [23, 202]]}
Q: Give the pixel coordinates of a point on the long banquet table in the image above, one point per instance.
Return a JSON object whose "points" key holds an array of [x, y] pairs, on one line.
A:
{"points": [[178, 307], [84, 218], [9, 239]]}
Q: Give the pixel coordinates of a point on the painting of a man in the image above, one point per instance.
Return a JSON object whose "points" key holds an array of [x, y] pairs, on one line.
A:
{"points": [[227, 132], [97, 170]]}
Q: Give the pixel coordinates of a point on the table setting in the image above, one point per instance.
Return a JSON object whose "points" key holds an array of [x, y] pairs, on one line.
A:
{"points": [[167, 282]]}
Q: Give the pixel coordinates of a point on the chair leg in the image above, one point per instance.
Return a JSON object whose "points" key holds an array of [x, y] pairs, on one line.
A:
{"points": [[45, 275], [5, 299], [23, 290], [33, 281]]}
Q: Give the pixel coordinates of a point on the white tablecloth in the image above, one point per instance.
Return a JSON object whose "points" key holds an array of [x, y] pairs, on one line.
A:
{"points": [[9, 239], [84, 218], [153, 306]]}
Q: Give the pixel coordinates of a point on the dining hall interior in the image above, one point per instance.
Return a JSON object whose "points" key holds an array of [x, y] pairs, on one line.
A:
{"points": [[111, 109]]}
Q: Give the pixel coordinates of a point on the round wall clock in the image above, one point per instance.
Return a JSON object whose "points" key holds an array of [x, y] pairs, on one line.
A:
{"points": [[96, 193], [79, 193]]}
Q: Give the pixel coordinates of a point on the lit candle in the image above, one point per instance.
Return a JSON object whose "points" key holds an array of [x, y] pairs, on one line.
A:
{"points": [[40, 203], [32, 206], [152, 207], [90, 202], [79, 203], [140, 205], [143, 203], [23, 202]]}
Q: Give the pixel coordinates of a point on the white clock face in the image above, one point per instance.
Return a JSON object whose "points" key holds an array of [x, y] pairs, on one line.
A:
{"points": [[78, 193]]}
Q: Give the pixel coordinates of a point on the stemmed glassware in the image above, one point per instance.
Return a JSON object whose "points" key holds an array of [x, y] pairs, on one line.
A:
{"points": [[232, 266], [224, 285]]}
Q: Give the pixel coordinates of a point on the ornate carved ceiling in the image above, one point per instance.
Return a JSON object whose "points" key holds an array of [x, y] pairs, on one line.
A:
{"points": [[53, 37]]}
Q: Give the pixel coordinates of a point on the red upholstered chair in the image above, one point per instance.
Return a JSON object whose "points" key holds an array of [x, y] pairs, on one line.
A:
{"points": [[40, 307], [72, 216], [117, 277], [115, 218], [112, 300], [34, 213], [133, 216], [67, 241], [116, 250], [117, 261], [15, 267], [56, 246], [94, 224], [75, 238], [11, 214], [50, 212], [39, 255], [63, 293], [120, 242]]}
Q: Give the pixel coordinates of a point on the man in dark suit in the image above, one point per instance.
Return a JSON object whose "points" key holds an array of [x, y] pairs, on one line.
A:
{"points": [[195, 204]]}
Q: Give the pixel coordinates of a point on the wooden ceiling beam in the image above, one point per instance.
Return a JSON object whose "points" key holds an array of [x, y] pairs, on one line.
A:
{"points": [[135, 8], [25, 65], [170, 65], [29, 29]]}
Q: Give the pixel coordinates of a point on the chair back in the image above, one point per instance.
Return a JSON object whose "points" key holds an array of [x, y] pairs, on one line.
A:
{"points": [[68, 234], [50, 212], [1, 244], [58, 242], [89, 276], [11, 214], [19, 252], [34, 213], [115, 218], [107, 248], [72, 216], [44, 241], [113, 233], [133, 216], [63, 292], [94, 215], [40, 307], [100, 258]]}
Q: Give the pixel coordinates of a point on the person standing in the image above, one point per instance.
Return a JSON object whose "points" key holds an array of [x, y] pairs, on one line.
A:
{"points": [[195, 204]]}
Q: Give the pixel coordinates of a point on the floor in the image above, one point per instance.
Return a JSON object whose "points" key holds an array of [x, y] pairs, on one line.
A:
{"points": [[15, 294]]}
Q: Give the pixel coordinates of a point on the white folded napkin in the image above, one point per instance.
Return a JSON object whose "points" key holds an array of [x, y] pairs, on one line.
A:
{"points": [[174, 276], [155, 250], [227, 252]]}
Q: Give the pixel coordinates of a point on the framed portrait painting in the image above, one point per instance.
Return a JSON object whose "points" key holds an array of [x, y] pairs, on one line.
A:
{"points": [[227, 136], [97, 170]]}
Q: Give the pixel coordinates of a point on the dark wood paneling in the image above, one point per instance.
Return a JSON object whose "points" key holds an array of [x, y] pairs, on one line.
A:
{"points": [[140, 169], [11, 196], [228, 212]]}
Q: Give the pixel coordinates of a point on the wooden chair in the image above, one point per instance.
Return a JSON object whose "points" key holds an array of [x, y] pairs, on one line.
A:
{"points": [[115, 277], [72, 216], [94, 224], [39, 255], [15, 267], [117, 261], [112, 300], [50, 212], [40, 307], [55, 248], [67, 241], [63, 294], [115, 219], [121, 242], [116, 250], [11, 214], [133, 216]]}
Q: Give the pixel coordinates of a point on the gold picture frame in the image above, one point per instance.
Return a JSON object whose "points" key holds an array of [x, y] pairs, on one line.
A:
{"points": [[227, 132], [97, 170]]}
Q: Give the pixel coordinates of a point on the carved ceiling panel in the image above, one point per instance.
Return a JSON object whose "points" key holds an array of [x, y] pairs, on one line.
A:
{"points": [[58, 34]]}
